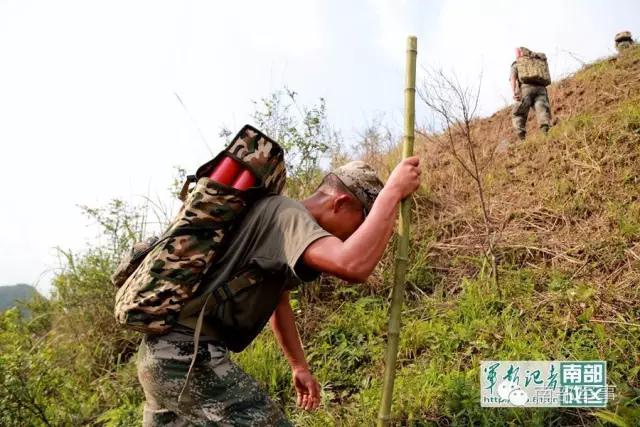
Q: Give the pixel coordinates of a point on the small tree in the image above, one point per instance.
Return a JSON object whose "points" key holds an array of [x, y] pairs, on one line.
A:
{"points": [[303, 131], [374, 144], [120, 225], [455, 107]]}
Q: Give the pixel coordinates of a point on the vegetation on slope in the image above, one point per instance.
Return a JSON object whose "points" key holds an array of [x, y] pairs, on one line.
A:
{"points": [[565, 208], [564, 211]]}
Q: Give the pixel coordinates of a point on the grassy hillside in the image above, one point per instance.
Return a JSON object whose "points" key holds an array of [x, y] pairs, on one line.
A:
{"points": [[563, 217], [566, 213]]}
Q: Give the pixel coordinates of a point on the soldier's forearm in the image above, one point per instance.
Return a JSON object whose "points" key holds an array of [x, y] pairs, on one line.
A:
{"points": [[365, 247], [283, 325]]}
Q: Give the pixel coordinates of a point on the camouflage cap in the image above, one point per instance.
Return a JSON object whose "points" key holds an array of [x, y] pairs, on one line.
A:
{"points": [[623, 36], [362, 181]]}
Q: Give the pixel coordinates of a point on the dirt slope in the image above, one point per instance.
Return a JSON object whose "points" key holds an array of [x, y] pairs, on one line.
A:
{"points": [[563, 199], [595, 89]]}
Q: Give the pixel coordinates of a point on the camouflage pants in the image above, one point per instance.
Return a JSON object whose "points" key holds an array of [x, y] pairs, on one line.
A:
{"points": [[532, 96], [219, 393]]}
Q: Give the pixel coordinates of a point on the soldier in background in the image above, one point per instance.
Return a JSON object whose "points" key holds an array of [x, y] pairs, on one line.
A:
{"points": [[529, 78], [623, 41]]}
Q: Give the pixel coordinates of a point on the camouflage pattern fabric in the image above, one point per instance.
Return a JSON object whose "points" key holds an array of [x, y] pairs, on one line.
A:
{"points": [[533, 68], [219, 394], [620, 46], [362, 180], [151, 298], [132, 260], [623, 36], [531, 96]]}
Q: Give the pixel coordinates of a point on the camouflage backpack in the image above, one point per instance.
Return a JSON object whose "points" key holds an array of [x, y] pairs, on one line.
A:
{"points": [[533, 68], [161, 275]]}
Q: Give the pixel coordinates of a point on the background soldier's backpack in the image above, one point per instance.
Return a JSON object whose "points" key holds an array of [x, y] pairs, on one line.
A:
{"points": [[158, 277], [533, 68]]}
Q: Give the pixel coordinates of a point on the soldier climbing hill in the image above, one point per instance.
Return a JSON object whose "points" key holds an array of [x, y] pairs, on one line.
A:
{"points": [[342, 230], [529, 79]]}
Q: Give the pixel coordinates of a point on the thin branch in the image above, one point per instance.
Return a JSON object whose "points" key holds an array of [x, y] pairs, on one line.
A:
{"points": [[456, 105]]}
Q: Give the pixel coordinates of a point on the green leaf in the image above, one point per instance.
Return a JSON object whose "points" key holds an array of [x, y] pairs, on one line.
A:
{"points": [[586, 315], [612, 418]]}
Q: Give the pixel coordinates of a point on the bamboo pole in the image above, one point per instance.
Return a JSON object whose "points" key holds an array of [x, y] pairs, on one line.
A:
{"points": [[402, 251]]}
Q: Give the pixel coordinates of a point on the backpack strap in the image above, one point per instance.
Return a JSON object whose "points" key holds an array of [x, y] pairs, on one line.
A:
{"points": [[245, 280], [182, 397], [248, 278]]}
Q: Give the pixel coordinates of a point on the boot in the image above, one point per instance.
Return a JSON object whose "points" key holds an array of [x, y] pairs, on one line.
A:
{"points": [[522, 135]]}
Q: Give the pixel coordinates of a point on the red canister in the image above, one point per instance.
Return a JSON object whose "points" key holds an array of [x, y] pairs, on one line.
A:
{"points": [[244, 181], [226, 171]]}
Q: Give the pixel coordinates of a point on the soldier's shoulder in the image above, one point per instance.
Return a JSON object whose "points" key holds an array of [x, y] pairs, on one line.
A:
{"points": [[279, 211], [277, 203]]}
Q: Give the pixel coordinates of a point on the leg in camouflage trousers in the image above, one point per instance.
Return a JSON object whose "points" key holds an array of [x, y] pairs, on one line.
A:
{"points": [[536, 97], [219, 393]]}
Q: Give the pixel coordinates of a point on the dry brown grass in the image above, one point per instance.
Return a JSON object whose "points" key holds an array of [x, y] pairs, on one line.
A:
{"points": [[559, 202], [555, 201]]}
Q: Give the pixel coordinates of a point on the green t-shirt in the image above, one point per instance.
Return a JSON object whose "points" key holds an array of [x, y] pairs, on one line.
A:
{"points": [[273, 236]]}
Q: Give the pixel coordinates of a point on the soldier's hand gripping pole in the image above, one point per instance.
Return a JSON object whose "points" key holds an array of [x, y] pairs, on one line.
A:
{"points": [[402, 251]]}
